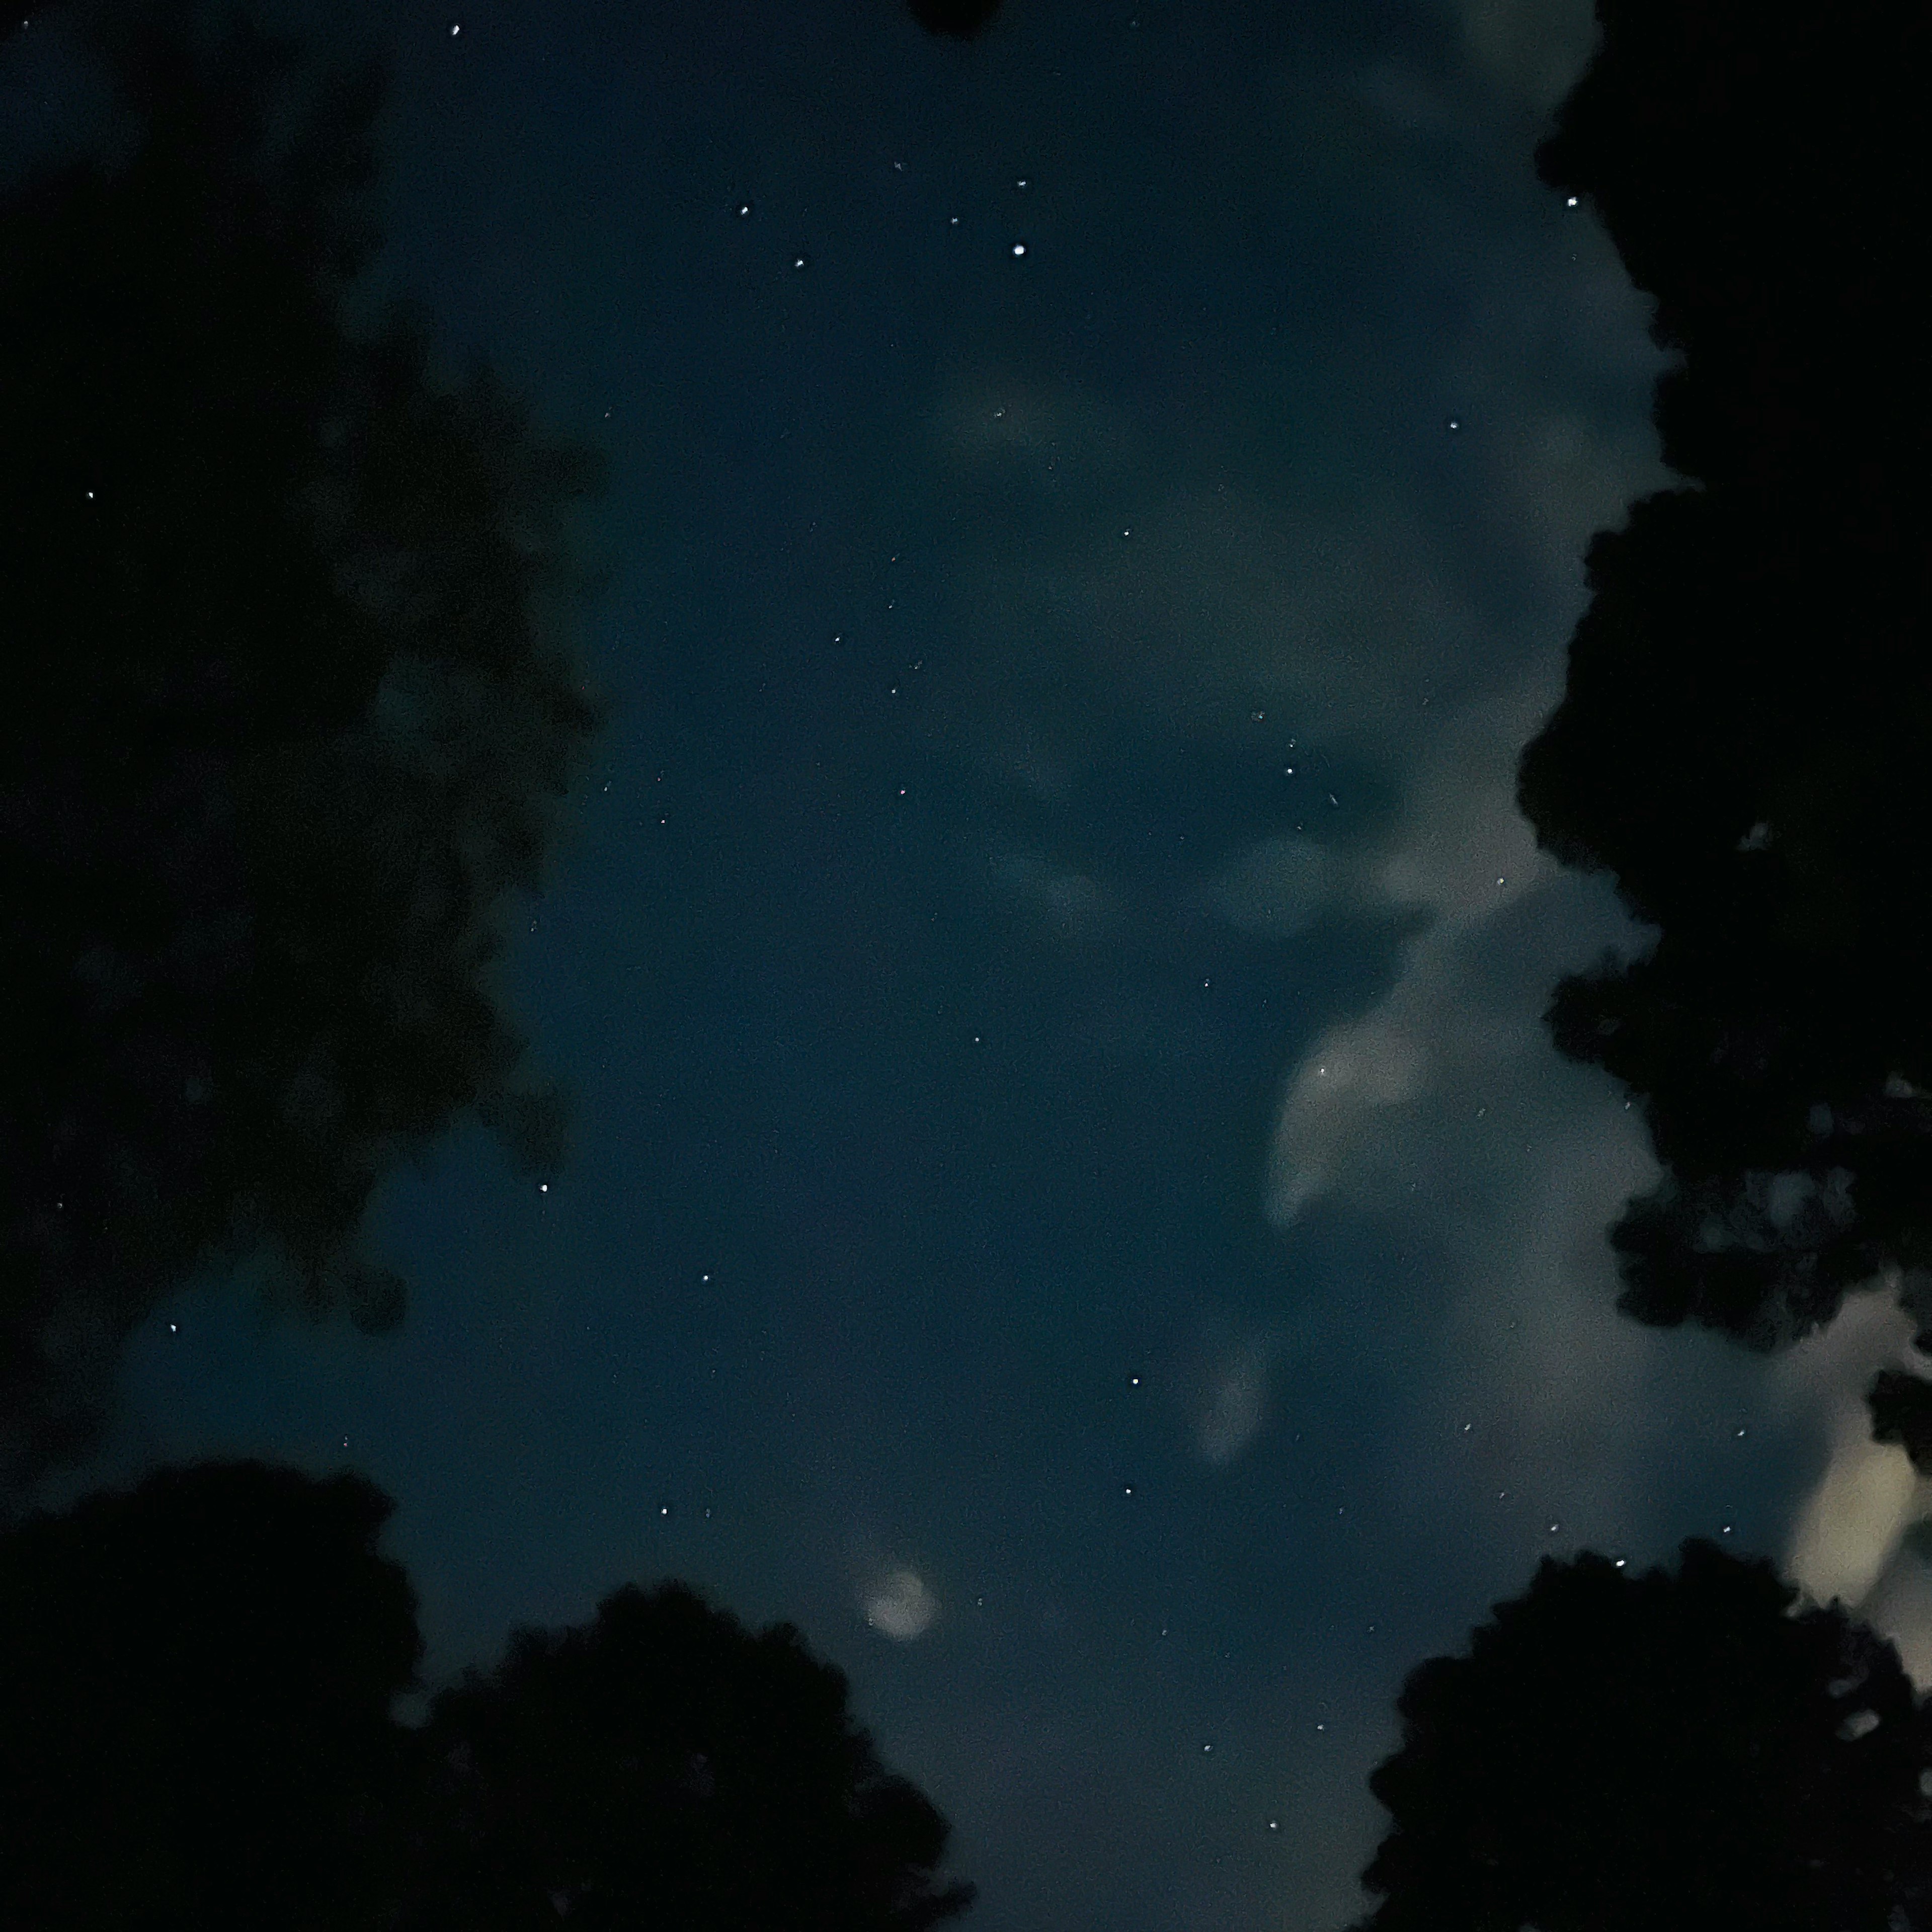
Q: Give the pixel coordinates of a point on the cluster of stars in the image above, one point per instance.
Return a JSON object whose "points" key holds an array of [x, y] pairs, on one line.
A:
{"points": [[743, 209]]}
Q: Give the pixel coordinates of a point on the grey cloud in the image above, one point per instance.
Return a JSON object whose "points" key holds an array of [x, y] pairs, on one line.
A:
{"points": [[1444, 1114], [1534, 48], [1226, 1389], [1850, 1536], [1275, 888], [1368, 1086], [900, 1605], [1334, 615], [1071, 904]]}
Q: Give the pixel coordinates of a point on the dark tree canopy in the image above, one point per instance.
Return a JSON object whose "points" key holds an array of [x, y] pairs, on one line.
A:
{"points": [[960, 19], [665, 1767], [1750, 691], [196, 1685], [287, 713], [1618, 1753], [198, 1733]]}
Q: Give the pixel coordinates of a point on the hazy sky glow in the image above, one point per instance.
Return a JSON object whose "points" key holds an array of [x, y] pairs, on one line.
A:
{"points": [[1072, 1201]]}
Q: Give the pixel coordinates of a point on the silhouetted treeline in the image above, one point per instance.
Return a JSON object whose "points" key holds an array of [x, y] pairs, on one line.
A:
{"points": [[1742, 742], [197, 1684], [286, 711], [663, 1767], [962, 19], [1618, 1753]]}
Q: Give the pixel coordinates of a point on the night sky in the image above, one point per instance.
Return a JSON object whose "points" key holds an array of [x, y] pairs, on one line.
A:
{"points": [[1071, 1200]]}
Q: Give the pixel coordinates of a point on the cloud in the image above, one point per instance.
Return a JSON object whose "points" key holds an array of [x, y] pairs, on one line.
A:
{"points": [[1304, 551], [899, 1605], [1444, 1114], [1442, 1120], [992, 417], [1396, 606], [1276, 888], [1072, 904], [1463, 856], [1336, 615], [1535, 48], [1851, 1523], [1852, 1536], [1228, 1391]]}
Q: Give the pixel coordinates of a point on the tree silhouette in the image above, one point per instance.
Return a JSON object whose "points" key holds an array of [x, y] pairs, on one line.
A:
{"points": [[1618, 1753], [286, 716], [195, 1680], [960, 19], [1740, 737], [665, 1767], [198, 1733]]}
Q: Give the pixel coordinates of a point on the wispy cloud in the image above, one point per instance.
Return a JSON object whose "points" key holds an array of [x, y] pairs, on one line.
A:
{"points": [[900, 1605]]}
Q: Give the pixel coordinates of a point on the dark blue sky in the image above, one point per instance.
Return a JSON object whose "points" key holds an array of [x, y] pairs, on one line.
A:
{"points": [[1071, 1202]]}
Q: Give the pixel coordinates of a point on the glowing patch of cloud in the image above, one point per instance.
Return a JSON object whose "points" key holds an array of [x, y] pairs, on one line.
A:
{"points": [[1851, 1524], [1072, 904], [1899, 1607], [1444, 1116], [1465, 855], [1276, 889], [1536, 49], [899, 1605], [1235, 1410], [1845, 1542], [1228, 1389]]}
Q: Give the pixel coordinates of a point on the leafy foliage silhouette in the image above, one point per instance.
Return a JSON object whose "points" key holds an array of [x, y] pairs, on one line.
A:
{"points": [[1674, 1749], [196, 1685], [288, 713], [198, 1680], [1738, 742], [666, 1767], [958, 19]]}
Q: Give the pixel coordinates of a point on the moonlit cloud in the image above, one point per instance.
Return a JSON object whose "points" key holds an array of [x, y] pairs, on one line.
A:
{"points": [[1851, 1524], [1226, 1390], [1849, 1540], [1534, 48], [1334, 615], [1900, 1605], [1333, 604], [899, 1605], [994, 417], [1443, 1114], [1071, 904], [1360, 1111], [1444, 1109], [1276, 888]]}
